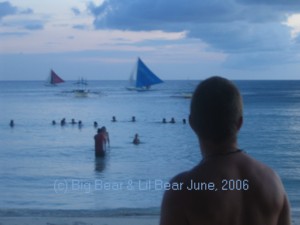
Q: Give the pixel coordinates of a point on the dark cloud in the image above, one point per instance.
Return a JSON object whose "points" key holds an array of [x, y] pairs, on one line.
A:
{"points": [[285, 3], [243, 36], [76, 11], [34, 25], [154, 14], [176, 14], [7, 9]]}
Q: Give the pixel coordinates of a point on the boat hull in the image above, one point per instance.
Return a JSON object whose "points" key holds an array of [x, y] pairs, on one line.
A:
{"points": [[138, 88], [81, 93]]}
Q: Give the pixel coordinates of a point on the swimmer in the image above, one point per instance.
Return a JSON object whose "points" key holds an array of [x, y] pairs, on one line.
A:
{"points": [[106, 135], [73, 121], [63, 122], [95, 124], [114, 119], [136, 140], [12, 123], [172, 120], [133, 119], [164, 120]]}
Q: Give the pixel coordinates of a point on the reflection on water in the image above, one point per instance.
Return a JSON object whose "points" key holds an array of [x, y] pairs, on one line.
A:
{"points": [[100, 163]]}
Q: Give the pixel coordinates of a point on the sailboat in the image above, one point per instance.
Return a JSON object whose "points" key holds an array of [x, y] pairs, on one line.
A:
{"points": [[142, 78], [54, 79]]}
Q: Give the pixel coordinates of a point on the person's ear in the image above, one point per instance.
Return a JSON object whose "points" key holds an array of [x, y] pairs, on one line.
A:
{"points": [[240, 123], [191, 122]]}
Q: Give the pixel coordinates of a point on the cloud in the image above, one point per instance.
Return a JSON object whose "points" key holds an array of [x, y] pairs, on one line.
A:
{"points": [[285, 3], [229, 26], [7, 9], [13, 34], [27, 24], [33, 25], [76, 11], [80, 26], [20, 17]]}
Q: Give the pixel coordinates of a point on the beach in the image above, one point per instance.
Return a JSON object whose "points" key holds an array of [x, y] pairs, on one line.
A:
{"points": [[128, 220], [137, 220], [79, 217]]}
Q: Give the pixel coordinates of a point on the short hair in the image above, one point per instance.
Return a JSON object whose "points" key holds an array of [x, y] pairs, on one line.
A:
{"points": [[216, 109]]}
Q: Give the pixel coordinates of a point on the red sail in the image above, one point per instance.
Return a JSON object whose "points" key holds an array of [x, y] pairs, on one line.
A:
{"points": [[55, 79]]}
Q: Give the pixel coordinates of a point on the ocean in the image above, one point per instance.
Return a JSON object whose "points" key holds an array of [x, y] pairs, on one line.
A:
{"points": [[50, 167]]}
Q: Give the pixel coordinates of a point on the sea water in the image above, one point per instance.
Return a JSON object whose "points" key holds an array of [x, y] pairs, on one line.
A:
{"points": [[52, 167]]}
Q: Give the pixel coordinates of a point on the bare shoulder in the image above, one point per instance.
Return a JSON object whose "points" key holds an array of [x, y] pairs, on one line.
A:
{"points": [[268, 185], [260, 172]]}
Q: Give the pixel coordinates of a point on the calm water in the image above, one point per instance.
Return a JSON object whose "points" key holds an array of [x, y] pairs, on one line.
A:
{"points": [[53, 167]]}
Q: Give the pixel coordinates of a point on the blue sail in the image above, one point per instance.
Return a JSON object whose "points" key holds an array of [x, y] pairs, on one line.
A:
{"points": [[144, 76]]}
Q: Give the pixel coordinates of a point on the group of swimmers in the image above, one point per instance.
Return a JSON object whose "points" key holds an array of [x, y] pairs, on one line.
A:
{"points": [[163, 120], [173, 120], [80, 124], [102, 136], [63, 122]]}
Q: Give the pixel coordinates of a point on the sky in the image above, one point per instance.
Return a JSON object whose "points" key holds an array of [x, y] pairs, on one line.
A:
{"points": [[177, 39]]}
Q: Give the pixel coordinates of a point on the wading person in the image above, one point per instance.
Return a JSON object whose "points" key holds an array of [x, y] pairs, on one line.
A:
{"points": [[228, 186], [100, 143]]}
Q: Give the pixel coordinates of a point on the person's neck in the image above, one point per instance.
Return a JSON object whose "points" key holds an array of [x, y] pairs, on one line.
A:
{"points": [[209, 149]]}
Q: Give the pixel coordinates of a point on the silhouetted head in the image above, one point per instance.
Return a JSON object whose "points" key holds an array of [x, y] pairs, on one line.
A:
{"points": [[99, 130], [216, 110]]}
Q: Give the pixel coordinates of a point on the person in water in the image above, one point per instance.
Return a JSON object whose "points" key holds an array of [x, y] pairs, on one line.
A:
{"points": [[136, 139], [106, 135], [95, 124], [133, 119], [172, 120], [164, 120], [12, 123], [63, 122], [100, 143], [241, 189], [114, 119]]}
